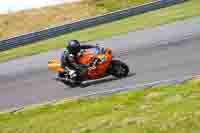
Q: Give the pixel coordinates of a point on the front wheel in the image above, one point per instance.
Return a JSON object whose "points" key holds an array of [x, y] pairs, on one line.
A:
{"points": [[119, 69]]}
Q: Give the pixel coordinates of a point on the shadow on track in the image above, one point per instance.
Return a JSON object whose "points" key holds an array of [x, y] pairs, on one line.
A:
{"points": [[104, 80], [96, 82]]}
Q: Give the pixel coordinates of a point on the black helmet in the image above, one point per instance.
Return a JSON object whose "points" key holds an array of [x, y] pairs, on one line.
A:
{"points": [[74, 46]]}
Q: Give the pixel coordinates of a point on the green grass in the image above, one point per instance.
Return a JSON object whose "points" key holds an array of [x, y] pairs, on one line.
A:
{"points": [[164, 109], [167, 15]]}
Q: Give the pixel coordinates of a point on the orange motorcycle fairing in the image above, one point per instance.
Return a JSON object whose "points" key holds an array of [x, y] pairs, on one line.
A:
{"points": [[87, 59], [55, 65], [100, 70]]}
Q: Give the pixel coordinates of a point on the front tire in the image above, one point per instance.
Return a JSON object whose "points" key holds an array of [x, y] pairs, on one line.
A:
{"points": [[119, 69]]}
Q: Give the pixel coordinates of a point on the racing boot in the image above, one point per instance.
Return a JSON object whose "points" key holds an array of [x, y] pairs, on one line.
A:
{"points": [[60, 76]]}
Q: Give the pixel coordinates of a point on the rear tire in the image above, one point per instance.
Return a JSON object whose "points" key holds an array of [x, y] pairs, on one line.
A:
{"points": [[119, 69]]}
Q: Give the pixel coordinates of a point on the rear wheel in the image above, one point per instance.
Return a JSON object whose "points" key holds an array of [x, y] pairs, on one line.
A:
{"points": [[119, 69]]}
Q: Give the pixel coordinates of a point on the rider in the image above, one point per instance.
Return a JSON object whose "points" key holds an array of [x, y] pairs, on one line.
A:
{"points": [[71, 54], [70, 57]]}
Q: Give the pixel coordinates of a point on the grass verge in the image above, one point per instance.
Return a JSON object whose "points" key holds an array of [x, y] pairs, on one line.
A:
{"points": [[167, 15], [13, 24], [164, 109]]}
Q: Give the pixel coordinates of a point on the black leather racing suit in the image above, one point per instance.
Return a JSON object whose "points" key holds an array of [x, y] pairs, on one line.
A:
{"points": [[71, 61]]}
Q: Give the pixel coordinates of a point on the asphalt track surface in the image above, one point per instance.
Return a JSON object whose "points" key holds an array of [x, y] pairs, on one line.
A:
{"points": [[169, 51]]}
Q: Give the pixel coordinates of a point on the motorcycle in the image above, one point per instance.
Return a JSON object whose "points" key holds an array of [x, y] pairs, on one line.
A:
{"points": [[107, 65]]}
